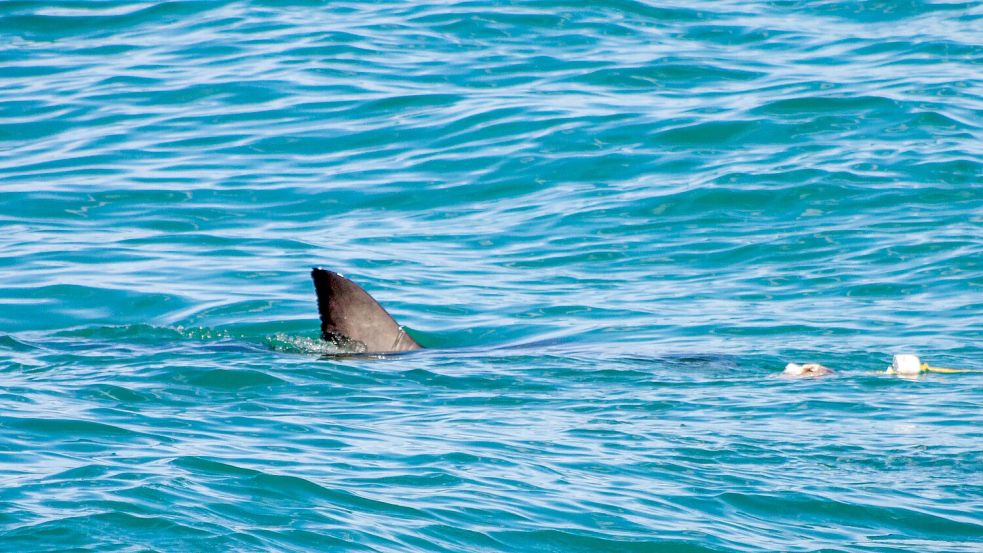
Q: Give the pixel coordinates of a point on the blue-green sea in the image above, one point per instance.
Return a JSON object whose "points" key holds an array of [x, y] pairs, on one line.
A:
{"points": [[611, 223]]}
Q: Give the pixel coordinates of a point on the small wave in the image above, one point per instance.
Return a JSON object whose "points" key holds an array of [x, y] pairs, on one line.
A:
{"points": [[10, 343], [231, 379], [56, 428], [565, 540], [138, 333]]}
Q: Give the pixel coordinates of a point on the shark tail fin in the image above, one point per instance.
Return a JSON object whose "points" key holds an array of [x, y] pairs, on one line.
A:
{"points": [[353, 320]]}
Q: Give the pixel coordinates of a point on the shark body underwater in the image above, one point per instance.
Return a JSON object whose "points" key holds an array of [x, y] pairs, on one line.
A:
{"points": [[353, 321]]}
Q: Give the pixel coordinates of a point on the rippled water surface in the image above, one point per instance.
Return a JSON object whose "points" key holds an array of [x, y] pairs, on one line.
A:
{"points": [[612, 223]]}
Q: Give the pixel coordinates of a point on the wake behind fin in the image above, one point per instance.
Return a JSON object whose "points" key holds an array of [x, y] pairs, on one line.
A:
{"points": [[352, 320]]}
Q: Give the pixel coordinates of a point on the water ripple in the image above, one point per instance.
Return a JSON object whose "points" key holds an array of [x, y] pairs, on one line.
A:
{"points": [[611, 223]]}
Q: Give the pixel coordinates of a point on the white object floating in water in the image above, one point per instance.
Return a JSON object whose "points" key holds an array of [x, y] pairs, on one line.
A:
{"points": [[807, 370], [905, 364]]}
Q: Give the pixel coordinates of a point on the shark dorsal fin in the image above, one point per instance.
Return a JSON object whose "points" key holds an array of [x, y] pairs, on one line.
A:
{"points": [[353, 320]]}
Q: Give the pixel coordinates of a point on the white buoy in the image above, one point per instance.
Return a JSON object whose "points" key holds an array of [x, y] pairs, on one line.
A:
{"points": [[905, 364]]}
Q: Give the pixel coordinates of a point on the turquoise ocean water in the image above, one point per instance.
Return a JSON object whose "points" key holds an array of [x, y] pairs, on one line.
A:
{"points": [[612, 222]]}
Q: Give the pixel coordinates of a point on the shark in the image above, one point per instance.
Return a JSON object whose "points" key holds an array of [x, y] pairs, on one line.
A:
{"points": [[355, 323], [353, 320]]}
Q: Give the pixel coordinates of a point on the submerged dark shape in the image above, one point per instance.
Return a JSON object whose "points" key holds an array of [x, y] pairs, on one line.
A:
{"points": [[352, 320]]}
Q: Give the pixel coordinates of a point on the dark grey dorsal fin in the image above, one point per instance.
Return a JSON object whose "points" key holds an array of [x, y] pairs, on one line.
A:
{"points": [[353, 320]]}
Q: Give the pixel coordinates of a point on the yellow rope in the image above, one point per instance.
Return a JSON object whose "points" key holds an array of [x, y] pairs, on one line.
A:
{"points": [[930, 369]]}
